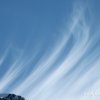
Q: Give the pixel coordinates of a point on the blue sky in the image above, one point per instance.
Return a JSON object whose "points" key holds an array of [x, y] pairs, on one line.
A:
{"points": [[49, 47]]}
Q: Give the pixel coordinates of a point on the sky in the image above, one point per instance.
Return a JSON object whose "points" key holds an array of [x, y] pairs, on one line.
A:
{"points": [[50, 49]]}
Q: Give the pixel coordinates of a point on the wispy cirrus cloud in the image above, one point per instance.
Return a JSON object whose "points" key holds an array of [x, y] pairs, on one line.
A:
{"points": [[64, 71]]}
